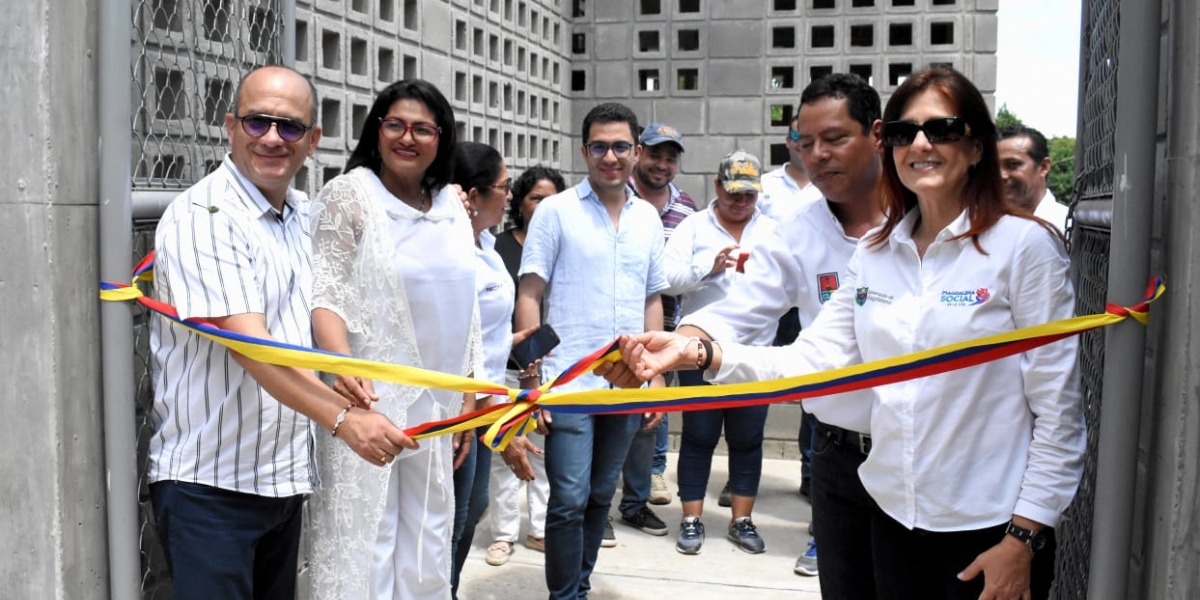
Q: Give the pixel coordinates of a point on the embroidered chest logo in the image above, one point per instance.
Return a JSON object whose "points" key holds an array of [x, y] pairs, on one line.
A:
{"points": [[966, 297], [827, 284], [860, 295]]}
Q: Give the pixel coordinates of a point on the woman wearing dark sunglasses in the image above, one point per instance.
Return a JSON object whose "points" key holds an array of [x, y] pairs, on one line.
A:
{"points": [[970, 470], [393, 281]]}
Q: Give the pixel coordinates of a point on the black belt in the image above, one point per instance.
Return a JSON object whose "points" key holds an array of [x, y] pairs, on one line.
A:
{"points": [[845, 437]]}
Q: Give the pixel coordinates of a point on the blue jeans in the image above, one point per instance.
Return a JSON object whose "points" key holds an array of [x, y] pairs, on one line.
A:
{"points": [[701, 432], [662, 435], [225, 544], [584, 455], [470, 501], [635, 474], [841, 518]]}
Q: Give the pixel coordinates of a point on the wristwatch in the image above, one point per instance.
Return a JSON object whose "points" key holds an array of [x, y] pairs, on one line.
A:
{"points": [[1034, 540]]}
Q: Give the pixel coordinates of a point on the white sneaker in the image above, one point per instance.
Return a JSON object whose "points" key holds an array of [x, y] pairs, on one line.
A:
{"points": [[660, 494]]}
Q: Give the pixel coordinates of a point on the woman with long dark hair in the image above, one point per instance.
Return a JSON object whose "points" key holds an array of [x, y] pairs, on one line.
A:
{"points": [[970, 470], [393, 281], [535, 184]]}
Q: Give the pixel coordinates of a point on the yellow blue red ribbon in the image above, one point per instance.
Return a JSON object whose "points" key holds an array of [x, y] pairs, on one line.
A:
{"points": [[506, 421]]}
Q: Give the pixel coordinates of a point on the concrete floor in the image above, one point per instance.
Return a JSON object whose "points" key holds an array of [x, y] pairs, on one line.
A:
{"points": [[645, 567]]}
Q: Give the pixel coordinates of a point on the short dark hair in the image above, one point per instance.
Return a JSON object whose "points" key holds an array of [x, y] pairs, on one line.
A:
{"points": [[476, 166], [861, 99], [524, 184], [610, 112], [366, 153], [1038, 150], [312, 90], [984, 194]]}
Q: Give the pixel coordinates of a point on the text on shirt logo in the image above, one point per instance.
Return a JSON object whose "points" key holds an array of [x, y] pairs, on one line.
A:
{"points": [[862, 294], [965, 297]]}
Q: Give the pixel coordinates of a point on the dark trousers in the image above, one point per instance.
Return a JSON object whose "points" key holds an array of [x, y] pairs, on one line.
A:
{"points": [[229, 545], [841, 513], [924, 564], [701, 432], [470, 501]]}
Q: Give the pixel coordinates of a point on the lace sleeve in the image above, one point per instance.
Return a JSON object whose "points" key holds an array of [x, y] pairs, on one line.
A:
{"points": [[337, 233]]}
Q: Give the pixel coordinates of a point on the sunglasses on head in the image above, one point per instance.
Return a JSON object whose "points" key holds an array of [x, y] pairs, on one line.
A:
{"points": [[290, 130], [941, 130]]}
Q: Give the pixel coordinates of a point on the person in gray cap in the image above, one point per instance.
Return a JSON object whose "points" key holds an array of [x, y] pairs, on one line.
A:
{"points": [[653, 180], [703, 262]]}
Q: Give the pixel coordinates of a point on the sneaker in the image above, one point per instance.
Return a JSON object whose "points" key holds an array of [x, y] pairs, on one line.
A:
{"points": [[610, 539], [744, 534], [725, 499], [535, 543], [498, 553], [691, 536], [659, 492], [807, 563], [645, 520]]}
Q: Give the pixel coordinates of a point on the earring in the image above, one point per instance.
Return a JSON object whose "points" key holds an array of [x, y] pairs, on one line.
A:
{"points": [[474, 213]]}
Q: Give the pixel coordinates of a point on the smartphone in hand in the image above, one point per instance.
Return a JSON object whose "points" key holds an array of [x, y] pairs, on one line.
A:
{"points": [[535, 346]]}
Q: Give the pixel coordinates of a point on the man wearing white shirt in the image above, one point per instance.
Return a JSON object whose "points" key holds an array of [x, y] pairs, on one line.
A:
{"points": [[593, 255], [1024, 165], [229, 458], [788, 188], [838, 141]]}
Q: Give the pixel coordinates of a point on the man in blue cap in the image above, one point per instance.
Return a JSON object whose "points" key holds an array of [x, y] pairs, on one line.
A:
{"points": [[653, 181]]}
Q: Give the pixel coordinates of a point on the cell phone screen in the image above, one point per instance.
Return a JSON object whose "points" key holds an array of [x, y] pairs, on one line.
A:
{"points": [[535, 346]]}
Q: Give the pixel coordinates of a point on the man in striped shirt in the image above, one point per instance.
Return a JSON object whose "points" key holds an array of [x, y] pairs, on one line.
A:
{"points": [[229, 457]]}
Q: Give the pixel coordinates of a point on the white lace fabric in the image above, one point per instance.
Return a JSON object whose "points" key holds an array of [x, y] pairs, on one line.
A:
{"points": [[359, 274]]}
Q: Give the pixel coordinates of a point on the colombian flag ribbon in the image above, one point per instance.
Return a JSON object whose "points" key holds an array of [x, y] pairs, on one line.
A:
{"points": [[506, 421]]}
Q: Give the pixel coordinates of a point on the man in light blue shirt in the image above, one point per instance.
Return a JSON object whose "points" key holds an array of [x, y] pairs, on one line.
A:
{"points": [[593, 255]]}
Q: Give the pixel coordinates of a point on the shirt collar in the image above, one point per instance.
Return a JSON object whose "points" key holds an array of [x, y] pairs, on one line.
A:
{"points": [[903, 231], [253, 198], [675, 193], [585, 192]]}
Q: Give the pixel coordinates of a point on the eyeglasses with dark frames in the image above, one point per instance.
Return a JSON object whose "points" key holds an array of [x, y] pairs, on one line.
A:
{"points": [[257, 125], [940, 130], [423, 133], [600, 149], [505, 186]]}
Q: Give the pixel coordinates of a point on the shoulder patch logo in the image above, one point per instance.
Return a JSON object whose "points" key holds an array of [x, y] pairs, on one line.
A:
{"points": [[827, 284]]}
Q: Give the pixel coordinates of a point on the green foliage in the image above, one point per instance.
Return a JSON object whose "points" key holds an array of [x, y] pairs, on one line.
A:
{"points": [[1005, 117], [1061, 179]]}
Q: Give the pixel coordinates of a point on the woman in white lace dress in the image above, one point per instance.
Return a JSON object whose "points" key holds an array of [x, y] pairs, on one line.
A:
{"points": [[394, 281]]}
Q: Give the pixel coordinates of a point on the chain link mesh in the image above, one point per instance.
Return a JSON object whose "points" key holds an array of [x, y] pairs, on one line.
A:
{"points": [[188, 56], [1089, 257], [1094, 164]]}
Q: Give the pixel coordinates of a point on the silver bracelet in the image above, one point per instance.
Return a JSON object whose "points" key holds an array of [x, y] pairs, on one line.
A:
{"points": [[340, 418]]}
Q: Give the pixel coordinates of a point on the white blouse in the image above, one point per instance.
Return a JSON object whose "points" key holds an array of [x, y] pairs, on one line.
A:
{"points": [[688, 259], [970, 448], [494, 288]]}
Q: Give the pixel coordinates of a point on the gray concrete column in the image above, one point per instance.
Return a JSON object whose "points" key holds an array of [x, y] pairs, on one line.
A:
{"points": [[1170, 455], [52, 474]]}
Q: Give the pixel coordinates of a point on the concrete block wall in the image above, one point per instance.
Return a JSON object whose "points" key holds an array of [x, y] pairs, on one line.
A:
{"points": [[715, 69], [501, 63]]}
